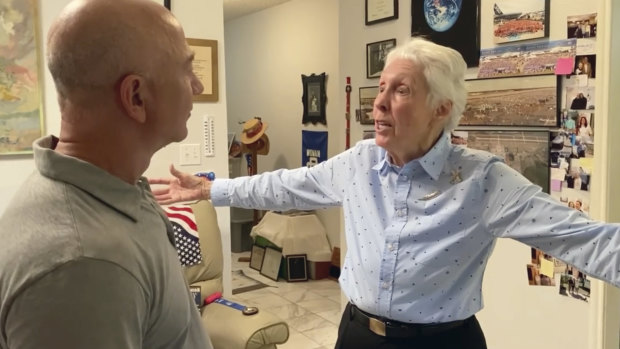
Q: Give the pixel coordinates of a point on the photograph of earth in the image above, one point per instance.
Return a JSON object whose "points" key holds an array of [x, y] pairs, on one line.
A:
{"points": [[452, 23]]}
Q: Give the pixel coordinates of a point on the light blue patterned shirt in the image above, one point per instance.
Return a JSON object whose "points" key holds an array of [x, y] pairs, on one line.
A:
{"points": [[419, 237]]}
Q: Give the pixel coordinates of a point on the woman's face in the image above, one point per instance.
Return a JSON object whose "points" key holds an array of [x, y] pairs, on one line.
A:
{"points": [[571, 204], [582, 121]]}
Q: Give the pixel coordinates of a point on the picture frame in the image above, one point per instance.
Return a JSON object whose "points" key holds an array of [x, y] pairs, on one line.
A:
{"points": [[167, 4], [206, 68], [296, 268], [508, 102], [271, 263], [21, 115], [518, 21], [376, 52], [378, 11], [460, 31], [367, 97], [526, 151], [368, 134], [257, 255], [525, 59], [314, 98]]}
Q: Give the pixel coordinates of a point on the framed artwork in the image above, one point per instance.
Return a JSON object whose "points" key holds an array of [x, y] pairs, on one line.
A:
{"points": [[271, 263], [167, 4], [520, 20], [256, 257], [525, 151], [537, 58], [376, 52], [378, 11], [206, 68], [296, 268], [314, 98], [21, 118], [367, 100], [523, 101], [368, 134], [454, 23]]}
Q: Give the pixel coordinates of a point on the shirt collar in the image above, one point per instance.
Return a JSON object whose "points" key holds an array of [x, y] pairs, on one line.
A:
{"points": [[121, 196], [432, 162]]}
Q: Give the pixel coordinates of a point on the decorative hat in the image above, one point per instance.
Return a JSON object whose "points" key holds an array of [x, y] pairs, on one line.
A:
{"points": [[261, 146], [253, 130]]}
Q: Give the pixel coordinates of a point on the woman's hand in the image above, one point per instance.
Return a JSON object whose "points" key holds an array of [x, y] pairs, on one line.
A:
{"points": [[182, 187]]}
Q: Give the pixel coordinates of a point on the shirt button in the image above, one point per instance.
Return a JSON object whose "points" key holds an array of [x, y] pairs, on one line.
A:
{"points": [[390, 247], [386, 285]]}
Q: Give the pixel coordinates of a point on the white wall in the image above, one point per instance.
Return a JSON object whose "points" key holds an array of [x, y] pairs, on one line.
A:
{"points": [[516, 315], [267, 52], [201, 19]]}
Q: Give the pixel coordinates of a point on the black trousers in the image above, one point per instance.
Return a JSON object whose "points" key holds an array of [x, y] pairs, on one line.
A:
{"points": [[353, 335]]}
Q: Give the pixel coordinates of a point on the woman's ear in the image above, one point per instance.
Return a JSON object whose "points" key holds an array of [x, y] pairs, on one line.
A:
{"points": [[444, 109], [132, 92]]}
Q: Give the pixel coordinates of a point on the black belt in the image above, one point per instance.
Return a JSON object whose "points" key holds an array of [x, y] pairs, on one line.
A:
{"points": [[390, 328]]}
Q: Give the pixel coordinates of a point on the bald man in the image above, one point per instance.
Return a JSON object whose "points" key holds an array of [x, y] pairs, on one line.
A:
{"points": [[86, 258]]}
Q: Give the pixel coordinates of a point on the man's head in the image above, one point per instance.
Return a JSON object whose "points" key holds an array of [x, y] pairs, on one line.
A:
{"points": [[126, 55]]}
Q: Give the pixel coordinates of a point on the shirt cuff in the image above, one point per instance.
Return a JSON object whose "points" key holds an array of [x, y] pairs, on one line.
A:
{"points": [[219, 192]]}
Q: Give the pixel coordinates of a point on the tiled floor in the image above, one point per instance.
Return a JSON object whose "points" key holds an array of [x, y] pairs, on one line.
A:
{"points": [[311, 308]]}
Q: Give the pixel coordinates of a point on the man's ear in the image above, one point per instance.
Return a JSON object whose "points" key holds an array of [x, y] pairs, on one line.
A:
{"points": [[132, 92]]}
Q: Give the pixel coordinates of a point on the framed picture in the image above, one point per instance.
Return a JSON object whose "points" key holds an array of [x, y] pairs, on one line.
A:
{"points": [[525, 151], [376, 52], [206, 68], [368, 134], [536, 58], [167, 4], [523, 101], [256, 257], [378, 11], [271, 263], [454, 24], [520, 20], [21, 117], [296, 268], [314, 98], [367, 100]]}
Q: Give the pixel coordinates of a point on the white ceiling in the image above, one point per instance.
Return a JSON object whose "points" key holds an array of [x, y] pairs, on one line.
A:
{"points": [[237, 8]]}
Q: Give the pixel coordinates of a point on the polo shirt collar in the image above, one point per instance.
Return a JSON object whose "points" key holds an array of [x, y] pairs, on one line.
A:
{"points": [[116, 193]]}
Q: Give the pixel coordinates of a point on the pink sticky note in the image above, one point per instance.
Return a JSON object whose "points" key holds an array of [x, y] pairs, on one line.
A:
{"points": [[564, 66]]}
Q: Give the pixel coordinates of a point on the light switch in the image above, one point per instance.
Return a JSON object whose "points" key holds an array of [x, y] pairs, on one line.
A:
{"points": [[189, 154]]}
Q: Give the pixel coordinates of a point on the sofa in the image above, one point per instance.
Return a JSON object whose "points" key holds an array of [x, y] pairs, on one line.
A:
{"points": [[227, 326]]}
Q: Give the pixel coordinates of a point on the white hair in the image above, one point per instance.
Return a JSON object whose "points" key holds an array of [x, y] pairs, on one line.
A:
{"points": [[444, 71]]}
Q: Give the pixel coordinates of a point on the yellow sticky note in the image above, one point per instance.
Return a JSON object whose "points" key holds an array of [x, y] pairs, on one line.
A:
{"points": [[546, 267]]}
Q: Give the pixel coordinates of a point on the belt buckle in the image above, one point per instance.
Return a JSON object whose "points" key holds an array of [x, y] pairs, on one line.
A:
{"points": [[376, 326]]}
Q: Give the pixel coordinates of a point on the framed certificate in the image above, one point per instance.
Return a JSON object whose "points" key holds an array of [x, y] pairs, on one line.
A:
{"points": [[256, 258], [271, 263], [205, 68], [380, 11], [296, 268]]}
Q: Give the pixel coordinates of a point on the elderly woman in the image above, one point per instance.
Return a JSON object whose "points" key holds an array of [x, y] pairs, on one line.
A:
{"points": [[421, 215]]}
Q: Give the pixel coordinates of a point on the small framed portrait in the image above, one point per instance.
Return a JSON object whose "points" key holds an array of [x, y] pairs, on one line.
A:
{"points": [[167, 4], [378, 11], [376, 52], [271, 263], [296, 268], [367, 100], [256, 258], [314, 98]]}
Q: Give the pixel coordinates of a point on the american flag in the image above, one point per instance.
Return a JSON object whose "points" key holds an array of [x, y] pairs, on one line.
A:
{"points": [[185, 234]]}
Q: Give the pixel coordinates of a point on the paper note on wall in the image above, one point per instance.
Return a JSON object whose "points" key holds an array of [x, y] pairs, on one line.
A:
{"points": [[546, 267]]}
